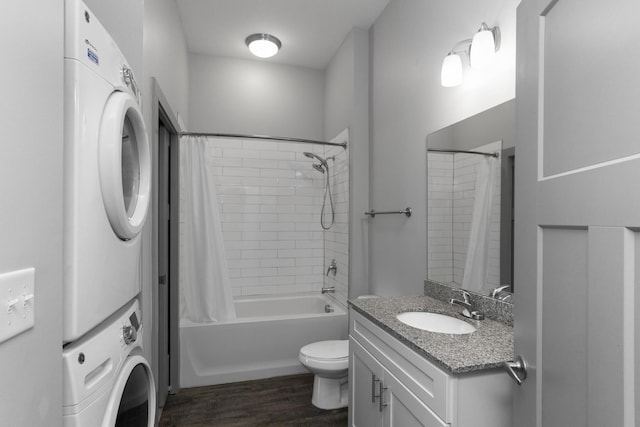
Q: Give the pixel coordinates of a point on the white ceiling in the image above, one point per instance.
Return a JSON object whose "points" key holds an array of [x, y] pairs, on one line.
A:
{"points": [[311, 31]]}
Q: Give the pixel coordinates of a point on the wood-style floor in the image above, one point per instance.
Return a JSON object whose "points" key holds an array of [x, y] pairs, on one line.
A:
{"points": [[282, 401]]}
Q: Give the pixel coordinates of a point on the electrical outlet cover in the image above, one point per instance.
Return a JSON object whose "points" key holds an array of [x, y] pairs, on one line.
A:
{"points": [[17, 302]]}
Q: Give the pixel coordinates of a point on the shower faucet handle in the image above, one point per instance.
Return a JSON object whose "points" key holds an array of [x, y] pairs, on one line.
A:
{"points": [[495, 292], [333, 267]]}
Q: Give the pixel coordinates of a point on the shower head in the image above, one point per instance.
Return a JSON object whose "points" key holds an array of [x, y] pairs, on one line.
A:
{"points": [[322, 161]]}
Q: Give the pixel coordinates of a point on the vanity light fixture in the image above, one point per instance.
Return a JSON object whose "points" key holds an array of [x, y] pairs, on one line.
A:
{"points": [[451, 73], [484, 46], [481, 51], [263, 45]]}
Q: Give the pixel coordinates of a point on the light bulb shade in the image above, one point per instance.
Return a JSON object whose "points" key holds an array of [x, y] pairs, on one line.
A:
{"points": [[263, 45], [451, 73], [483, 49]]}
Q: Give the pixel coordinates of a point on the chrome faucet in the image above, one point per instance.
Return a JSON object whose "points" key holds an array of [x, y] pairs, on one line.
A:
{"points": [[333, 267], [329, 290], [495, 292], [468, 310]]}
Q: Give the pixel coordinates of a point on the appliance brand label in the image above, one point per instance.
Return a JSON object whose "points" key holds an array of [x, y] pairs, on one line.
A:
{"points": [[93, 56]]}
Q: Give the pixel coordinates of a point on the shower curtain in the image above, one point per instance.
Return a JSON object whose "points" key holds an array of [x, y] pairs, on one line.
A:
{"points": [[206, 287], [476, 265]]}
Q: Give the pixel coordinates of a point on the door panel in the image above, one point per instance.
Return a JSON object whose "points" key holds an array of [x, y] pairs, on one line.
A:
{"points": [[577, 213], [585, 53], [564, 356], [611, 270]]}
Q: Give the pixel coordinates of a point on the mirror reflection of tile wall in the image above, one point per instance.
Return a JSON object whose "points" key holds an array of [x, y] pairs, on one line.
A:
{"points": [[451, 196]]}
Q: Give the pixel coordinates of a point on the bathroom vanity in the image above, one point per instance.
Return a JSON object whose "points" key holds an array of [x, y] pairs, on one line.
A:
{"points": [[402, 376]]}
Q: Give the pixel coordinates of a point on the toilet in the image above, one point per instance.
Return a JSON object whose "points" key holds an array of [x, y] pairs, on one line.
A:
{"points": [[329, 362]]}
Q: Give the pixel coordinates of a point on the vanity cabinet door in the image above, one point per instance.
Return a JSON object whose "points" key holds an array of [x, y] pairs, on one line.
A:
{"points": [[404, 409], [365, 375], [379, 399]]}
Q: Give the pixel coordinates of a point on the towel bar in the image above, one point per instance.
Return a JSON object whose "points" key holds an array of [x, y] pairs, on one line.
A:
{"points": [[373, 213]]}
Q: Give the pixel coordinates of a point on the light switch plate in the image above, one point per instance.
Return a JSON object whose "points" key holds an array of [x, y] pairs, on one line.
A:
{"points": [[17, 302]]}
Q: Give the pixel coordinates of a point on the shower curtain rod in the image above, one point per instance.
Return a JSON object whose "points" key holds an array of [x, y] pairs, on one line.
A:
{"points": [[264, 137], [438, 150]]}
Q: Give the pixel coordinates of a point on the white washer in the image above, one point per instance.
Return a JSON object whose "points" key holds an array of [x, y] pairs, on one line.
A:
{"points": [[107, 175], [107, 381]]}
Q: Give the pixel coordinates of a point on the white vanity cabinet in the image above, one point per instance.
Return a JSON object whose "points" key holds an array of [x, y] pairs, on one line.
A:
{"points": [[392, 385]]}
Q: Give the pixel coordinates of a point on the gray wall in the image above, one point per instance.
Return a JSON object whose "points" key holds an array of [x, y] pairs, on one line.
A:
{"points": [[409, 41], [347, 106], [255, 97], [165, 56], [31, 197], [123, 20]]}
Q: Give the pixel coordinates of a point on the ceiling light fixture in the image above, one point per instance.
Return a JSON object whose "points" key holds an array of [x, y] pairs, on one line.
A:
{"points": [[263, 45], [481, 51]]}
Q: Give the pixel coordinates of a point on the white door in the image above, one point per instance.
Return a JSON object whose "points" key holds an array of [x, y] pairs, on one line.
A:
{"points": [[577, 241], [124, 164]]}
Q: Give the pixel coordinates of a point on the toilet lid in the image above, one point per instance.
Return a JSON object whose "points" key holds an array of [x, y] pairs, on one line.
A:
{"points": [[329, 350]]}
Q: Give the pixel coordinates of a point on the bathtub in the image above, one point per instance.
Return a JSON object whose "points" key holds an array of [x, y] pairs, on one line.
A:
{"points": [[263, 341]]}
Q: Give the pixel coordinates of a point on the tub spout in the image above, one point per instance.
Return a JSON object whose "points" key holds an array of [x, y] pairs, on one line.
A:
{"points": [[329, 290]]}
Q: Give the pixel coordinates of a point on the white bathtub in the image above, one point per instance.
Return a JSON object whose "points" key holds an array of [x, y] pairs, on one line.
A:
{"points": [[264, 340]]}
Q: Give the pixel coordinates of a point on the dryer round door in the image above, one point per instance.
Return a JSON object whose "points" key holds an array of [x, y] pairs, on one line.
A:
{"points": [[133, 397], [125, 165]]}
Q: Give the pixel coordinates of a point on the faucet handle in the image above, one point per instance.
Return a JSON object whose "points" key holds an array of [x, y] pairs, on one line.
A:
{"points": [[333, 267], [466, 295], [496, 291]]}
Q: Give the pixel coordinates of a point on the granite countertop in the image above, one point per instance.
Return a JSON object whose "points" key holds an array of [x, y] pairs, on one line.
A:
{"points": [[486, 348]]}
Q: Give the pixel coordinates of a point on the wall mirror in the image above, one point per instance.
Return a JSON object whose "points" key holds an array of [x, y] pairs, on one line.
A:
{"points": [[470, 167]]}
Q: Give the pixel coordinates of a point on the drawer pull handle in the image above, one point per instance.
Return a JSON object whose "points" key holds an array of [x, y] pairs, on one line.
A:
{"points": [[382, 405], [373, 387]]}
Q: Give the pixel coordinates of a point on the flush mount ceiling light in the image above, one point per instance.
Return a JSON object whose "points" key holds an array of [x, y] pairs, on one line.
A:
{"points": [[481, 50], [263, 45]]}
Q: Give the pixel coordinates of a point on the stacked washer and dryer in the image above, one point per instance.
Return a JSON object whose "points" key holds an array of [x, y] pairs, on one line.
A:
{"points": [[107, 381]]}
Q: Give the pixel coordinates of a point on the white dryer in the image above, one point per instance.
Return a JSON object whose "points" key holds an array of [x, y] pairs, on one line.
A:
{"points": [[107, 175], [107, 382]]}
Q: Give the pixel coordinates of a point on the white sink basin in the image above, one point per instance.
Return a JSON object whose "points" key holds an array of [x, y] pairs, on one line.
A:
{"points": [[434, 322]]}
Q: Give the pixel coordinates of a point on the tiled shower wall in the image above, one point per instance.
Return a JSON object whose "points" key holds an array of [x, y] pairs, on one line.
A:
{"points": [[451, 195], [270, 200], [337, 237]]}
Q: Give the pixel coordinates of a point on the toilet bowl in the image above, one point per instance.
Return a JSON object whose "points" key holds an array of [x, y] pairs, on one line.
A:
{"points": [[329, 362]]}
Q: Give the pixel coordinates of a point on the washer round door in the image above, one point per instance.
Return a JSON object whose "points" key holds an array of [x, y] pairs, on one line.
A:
{"points": [[133, 399], [125, 165]]}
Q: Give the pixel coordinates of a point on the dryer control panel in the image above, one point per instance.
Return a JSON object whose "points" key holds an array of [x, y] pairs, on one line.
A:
{"points": [[130, 332]]}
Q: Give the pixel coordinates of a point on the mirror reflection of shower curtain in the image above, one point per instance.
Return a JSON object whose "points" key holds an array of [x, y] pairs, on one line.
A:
{"points": [[476, 265], [206, 287]]}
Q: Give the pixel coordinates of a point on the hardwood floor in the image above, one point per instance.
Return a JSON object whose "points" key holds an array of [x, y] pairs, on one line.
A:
{"points": [[282, 401]]}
